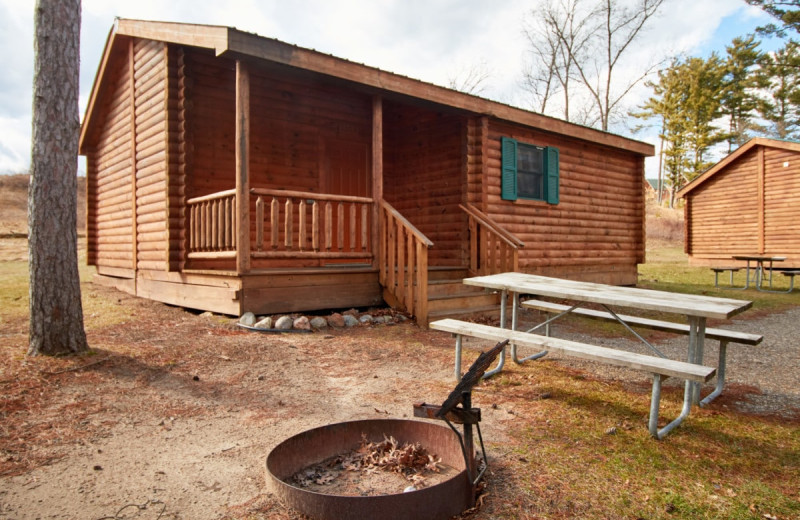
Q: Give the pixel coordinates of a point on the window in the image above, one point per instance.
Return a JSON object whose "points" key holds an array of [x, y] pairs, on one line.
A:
{"points": [[529, 172]]}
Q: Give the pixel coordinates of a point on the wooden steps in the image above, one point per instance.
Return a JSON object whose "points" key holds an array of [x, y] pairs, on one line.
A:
{"points": [[448, 297]]}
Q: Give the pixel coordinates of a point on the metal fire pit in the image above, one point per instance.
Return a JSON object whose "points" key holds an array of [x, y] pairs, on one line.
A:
{"points": [[444, 500]]}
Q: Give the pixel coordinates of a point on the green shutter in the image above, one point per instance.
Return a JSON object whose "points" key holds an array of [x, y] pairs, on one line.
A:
{"points": [[551, 170], [509, 169]]}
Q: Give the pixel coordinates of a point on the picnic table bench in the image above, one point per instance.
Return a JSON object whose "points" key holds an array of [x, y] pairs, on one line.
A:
{"points": [[724, 336], [659, 368]]}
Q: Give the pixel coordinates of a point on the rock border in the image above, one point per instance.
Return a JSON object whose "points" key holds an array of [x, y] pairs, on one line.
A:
{"points": [[344, 320]]}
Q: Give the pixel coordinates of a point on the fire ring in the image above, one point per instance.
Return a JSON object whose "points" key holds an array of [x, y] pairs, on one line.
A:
{"points": [[443, 500]]}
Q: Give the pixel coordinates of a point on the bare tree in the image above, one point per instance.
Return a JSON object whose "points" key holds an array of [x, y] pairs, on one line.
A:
{"points": [[472, 79], [558, 33], [586, 43], [56, 313], [621, 28]]}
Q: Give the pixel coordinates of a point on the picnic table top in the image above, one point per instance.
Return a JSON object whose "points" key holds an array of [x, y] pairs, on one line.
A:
{"points": [[646, 299]]}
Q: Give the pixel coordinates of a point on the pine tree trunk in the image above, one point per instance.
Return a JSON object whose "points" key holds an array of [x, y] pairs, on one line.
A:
{"points": [[56, 313]]}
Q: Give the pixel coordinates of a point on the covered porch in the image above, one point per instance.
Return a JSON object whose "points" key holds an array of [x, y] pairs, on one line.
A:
{"points": [[325, 186]]}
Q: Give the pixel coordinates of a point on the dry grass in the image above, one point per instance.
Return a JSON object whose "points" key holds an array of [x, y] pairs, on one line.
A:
{"points": [[14, 204], [664, 225]]}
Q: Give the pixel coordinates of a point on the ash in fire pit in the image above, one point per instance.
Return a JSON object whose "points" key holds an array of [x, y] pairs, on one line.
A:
{"points": [[375, 468]]}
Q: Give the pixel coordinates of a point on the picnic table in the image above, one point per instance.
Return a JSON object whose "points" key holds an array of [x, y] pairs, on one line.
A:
{"points": [[758, 268], [696, 308]]}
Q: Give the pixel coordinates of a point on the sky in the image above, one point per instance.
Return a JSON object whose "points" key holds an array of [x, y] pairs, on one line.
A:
{"points": [[430, 40]]}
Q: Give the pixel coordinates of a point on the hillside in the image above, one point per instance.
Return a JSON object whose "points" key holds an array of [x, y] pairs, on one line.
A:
{"points": [[14, 204]]}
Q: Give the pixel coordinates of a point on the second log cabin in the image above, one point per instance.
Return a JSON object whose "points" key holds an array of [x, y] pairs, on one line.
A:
{"points": [[231, 172]]}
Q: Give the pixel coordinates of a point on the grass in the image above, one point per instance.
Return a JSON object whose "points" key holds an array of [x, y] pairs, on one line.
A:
{"points": [[584, 452], [667, 269]]}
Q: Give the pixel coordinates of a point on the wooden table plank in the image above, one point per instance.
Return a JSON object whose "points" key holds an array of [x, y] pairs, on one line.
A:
{"points": [[646, 299]]}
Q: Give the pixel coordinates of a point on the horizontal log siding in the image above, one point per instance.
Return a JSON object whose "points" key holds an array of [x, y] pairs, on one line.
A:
{"points": [[424, 176], [724, 212], [109, 177], [782, 205], [293, 125], [296, 127], [209, 109], [595, 232], [150, 80], [176, 153]]}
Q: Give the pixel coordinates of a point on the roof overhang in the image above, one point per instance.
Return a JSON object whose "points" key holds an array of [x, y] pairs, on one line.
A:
{"points": [[749, 145], [227, 41]]}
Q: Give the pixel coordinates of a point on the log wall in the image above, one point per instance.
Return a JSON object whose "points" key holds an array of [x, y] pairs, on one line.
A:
{"points": [[109, 176], [595, 232], [424, 176], [151, 140], [782, 205], [723, 214], [735, 212]]}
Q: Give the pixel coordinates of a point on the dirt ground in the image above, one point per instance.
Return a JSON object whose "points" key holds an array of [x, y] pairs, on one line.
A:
{"points": [[177, 411]]}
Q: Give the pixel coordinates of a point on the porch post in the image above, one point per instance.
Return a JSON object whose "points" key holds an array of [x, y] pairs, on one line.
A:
{"points": [[242, 163], [377, 175]]}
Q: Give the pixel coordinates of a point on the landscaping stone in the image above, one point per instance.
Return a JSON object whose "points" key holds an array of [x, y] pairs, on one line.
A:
{"points": [[248, 319], [366, 319], [336, 320], [301, 323], [350, 321], [266, 323], [284, 323], [319, 322]]}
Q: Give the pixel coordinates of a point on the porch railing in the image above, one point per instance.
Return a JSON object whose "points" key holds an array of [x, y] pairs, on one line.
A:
{"points": [[404, 266], [297, 224], [212, 228], [492, 249]]}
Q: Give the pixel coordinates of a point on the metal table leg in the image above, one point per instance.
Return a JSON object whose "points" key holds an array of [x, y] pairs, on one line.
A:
{"points": [[723, 348], [514, 313], [697, 335], [655, 401]]}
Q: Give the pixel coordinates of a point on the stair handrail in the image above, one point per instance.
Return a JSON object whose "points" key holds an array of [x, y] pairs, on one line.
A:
{"points": [[487, 221], [404, 250], [486, 256]]}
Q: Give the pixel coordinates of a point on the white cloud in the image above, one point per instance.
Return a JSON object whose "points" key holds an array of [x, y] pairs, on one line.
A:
{"points": [[424, 39]]}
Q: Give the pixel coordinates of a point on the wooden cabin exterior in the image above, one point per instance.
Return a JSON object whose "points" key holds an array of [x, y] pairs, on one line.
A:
{"points": [[746, 204], [231, 172]]}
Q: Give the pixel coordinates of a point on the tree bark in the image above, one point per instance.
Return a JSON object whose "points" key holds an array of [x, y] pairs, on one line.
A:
{"points": [[56, 313]]}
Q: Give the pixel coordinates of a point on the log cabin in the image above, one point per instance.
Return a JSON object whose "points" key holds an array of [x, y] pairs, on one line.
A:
{"points": [[746, 204], [232, 172]]}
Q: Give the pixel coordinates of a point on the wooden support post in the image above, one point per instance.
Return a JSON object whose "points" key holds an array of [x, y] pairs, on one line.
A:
{"points": [[242, 163], [377, 177]]}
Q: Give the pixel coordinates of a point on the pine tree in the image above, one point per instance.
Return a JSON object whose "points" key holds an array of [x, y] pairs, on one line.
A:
{"points": [[56, 314], [782, 108], [743, 77]]}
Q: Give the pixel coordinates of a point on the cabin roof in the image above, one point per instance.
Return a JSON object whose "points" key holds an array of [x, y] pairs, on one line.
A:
{"points": [[231, 42], [780, 144]]}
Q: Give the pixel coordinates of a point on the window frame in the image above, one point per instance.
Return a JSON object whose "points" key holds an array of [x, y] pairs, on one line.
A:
{"points": [[509, 148]]}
